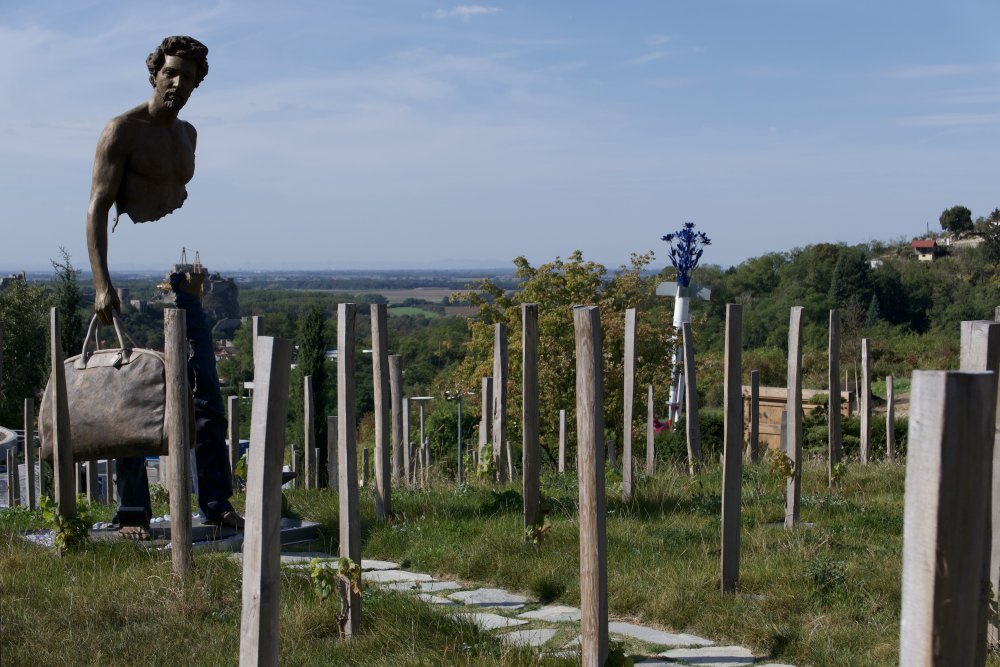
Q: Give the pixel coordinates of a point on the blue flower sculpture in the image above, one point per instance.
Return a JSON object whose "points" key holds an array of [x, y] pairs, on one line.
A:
{"points": [[686, 248]]}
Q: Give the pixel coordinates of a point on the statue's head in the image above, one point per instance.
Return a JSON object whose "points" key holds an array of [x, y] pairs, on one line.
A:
{"points": [[187, 48]]}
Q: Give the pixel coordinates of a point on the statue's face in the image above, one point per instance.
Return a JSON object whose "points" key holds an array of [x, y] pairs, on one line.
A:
{"points": [[175, 81]]}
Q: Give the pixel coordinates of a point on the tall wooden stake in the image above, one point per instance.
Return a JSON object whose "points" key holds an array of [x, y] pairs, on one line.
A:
{"points": [[562, 441], [396, 393], [234, 435], [259, 635], [63, 470], [980, 351], [350, 518], [590, 469], [754, 444], [486, 416], [833, 402], [952, 426], [650, 434], [629, 399], [865, 400], [692, 424], [890, 419], [309, 431], [385, 456], [409, 461], [31, 499], [177, 425], [500, 398], [531, 455], [732, 465], [793, 491]]}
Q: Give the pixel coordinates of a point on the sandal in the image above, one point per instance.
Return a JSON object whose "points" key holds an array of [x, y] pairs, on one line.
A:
{"points": [[138, 533]]}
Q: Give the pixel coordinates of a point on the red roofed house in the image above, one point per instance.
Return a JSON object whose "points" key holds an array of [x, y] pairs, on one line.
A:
{"points": [[925, 249]]}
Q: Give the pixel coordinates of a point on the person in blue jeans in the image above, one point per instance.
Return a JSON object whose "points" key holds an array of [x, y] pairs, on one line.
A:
{"points": [[144, 160]]}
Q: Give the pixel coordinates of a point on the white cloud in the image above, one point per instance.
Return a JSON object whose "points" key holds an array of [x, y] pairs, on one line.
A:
{"points": [[951, 119], [657, 40], [465, 12], [650, 57], [941, 71]]}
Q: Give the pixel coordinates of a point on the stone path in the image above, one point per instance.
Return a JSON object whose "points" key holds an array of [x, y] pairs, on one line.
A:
{"points": [[550, 628]]}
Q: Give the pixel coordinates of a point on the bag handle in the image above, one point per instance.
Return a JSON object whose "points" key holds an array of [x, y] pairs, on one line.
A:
{"points": [[120, 332]]}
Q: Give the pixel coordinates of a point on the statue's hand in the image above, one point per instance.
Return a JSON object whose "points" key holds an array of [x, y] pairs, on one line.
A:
{"points": [[104, 301]]}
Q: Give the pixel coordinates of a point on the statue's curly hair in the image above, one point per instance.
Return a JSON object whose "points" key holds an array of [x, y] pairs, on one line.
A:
{"points": [[187, 48]]}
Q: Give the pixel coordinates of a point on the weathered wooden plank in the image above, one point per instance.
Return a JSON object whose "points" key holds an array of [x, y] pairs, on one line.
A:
{"points": [[590, 469], [350, 516], [531, 454], [865, 400], [30, 498], [396, 394], [691, 421], [385, 457], [650, 434], [500, 366], [62, 448], [793, 488], [409, 462], [178, 433], [486, 416], [234, 435], [562, 441], [628, 401], [732, 464], [833, 402], [259, 634], [309, 432], [949, 450], [890, 419]]}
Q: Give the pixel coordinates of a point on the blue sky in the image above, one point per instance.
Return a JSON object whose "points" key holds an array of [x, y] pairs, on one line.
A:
{"points": [[417, 134]]}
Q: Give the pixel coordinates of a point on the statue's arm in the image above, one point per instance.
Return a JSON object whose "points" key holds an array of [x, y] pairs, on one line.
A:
{"points": [[109, 166]]}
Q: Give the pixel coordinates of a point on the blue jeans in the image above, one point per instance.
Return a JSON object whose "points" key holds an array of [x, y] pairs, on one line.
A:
{"points": [[215, 481]]}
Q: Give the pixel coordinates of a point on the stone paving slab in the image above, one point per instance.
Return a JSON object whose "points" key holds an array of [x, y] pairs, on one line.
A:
{"points": [[423, 586], [656, 637], [490, 597], [434, 599], [367, 564], [713, 656], [555, 613], [488, 621], [386, 576], [536, 638]]}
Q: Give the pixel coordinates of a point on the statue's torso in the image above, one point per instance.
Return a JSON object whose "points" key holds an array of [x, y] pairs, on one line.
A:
{"points": [[160, 162]]}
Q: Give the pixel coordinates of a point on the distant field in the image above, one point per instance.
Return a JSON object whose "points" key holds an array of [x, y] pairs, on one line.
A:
{"points": [[414, 311], [434, 294]]}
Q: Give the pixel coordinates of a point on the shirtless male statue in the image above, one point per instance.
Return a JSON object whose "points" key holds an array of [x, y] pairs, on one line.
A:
{"points": [[144, 159]]}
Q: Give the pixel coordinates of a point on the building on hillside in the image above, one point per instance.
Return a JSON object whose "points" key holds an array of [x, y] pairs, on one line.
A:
{"points": [[8, 281], [926, 249]]}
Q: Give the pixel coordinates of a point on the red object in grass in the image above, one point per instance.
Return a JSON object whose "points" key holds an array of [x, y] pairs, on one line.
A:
{"points": [[661, 426]]}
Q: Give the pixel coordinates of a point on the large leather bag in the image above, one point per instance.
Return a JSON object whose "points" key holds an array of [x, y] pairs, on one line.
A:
{"points": [[116, 398]]}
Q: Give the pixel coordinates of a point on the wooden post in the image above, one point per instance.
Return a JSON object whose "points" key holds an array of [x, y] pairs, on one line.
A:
{"points": [[754, 444], [890, 419], [793, 490], [234, 435], [650, 435], [309, 432], [365, 467], [350, 518], [833, 402], [385, 457], [732, 465], [62, 449], [396, 393], [865, 400], [332, 474], [692, 424], [531, 455], [178, 434], [562, 441], [31, 500], [259, 635], [112, 485], [486, 416], [948, 472], [590, 469], [510, 461], [92, 482], [409, 463], [847, 384], [11, 476], [980, 351], [500, 397], [628, 399]]}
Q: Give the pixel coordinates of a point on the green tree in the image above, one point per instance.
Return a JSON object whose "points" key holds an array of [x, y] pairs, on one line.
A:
{"points": [[310, 359], [956, 219], [24, 312], [66, 293]]}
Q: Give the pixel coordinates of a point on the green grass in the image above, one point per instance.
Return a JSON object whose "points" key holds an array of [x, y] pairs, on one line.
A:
{"points": [[828, 594], [413, 311]]}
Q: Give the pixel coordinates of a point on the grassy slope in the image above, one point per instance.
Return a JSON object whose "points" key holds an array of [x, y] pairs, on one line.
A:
{"points": [[824, 595]]}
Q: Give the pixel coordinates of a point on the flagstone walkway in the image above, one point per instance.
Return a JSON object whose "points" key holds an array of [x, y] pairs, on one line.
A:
{"points": [[549, 628]]}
